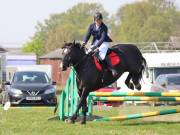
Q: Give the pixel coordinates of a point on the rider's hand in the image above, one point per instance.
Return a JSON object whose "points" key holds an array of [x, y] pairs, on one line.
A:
{"points": [[92, 48], [83, 45], [89, 50]]}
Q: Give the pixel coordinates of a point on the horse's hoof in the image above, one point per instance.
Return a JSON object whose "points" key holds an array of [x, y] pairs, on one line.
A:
{"points": [[69, 121], [138, 86], [83, 122], [131, 86]]}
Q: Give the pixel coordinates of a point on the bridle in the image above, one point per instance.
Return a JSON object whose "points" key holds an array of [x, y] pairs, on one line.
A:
{"points": [[89, 54], [81, 60]]}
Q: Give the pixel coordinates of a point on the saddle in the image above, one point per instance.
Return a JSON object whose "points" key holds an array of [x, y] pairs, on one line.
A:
{"points": [[113, 56]]}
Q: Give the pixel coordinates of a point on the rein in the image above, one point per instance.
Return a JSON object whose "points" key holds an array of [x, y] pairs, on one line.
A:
{"points": [[80, 61], [92, 53]]}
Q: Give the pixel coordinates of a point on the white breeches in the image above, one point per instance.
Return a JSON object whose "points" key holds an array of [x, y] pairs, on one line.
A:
{"points": [[102, 49]]}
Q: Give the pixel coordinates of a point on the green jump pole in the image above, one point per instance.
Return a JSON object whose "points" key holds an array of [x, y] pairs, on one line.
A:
{"points": [[90, 105], [61, 113], [140, 115], [136, 98], [69, 97], [150, 94], [74, 95]]}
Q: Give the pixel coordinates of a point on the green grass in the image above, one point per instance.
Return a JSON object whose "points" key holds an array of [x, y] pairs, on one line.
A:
{"points": [[34, 121]]}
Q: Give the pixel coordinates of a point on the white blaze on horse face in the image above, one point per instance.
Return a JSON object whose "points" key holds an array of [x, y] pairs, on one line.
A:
{"points": [[65, 50]]}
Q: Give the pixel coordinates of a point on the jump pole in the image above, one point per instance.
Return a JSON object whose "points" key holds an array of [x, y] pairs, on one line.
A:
{"points": [[121, 94], [69, 97], [131, 96], [139, 115], [136, 98]]}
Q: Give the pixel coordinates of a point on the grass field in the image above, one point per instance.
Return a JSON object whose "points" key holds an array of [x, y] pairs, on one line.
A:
{"points": [[34, 121]]}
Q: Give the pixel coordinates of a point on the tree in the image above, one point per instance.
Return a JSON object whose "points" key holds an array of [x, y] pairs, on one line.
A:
{"points": [[152, 20], [35, 46], [67, 26]]}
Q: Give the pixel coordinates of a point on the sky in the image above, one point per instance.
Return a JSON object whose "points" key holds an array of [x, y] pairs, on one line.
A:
{"points": [[18, 18]]}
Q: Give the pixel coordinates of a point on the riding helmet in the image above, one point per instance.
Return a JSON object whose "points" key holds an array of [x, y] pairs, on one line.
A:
{"points": [[98, 16]]}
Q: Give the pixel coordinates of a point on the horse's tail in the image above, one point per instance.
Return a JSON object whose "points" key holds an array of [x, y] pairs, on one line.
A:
{"points": [[144, 67]]}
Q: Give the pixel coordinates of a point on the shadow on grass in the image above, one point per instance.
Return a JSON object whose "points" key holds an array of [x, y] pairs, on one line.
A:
{"points": [[88, 118]]}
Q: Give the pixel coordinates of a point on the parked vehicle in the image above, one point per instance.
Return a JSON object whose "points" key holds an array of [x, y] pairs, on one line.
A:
{"points": [[109, 88], [31, 87], [167, 83], [10, 70]]}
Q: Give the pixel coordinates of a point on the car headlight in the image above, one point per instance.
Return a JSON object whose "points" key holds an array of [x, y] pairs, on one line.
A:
{"points": [[48, 91], [16, 91]]}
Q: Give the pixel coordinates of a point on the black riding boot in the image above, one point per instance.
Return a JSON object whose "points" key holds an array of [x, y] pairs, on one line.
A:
{"points": [[114, 72]]}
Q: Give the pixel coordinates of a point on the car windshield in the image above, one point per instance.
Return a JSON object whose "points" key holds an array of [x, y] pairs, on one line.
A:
{"points": [[30, 77], [159, 71], [174, 80]]}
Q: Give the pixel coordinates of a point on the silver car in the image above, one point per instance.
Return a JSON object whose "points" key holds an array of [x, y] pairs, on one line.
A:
{"points": [[167, 83]]}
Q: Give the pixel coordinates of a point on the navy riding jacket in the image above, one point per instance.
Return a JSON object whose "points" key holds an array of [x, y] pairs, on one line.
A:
{"points": [[100, 34]]}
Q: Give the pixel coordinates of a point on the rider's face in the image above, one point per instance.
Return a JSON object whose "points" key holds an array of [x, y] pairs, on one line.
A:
{"points": [[98, 22]]}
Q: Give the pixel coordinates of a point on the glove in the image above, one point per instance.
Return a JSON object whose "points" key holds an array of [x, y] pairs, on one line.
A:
{"points": [[83, 45], [92, 48]]}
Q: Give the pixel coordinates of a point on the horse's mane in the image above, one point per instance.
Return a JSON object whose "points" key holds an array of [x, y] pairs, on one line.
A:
{"points": [[69, 44], [78, 45], [73, 44]]}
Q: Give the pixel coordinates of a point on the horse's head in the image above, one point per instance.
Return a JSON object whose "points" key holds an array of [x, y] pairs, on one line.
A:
{"points": [[71, 52]]}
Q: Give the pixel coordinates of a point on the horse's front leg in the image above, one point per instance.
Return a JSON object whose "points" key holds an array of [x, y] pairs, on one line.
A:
{"points": [[82, 101], [84, 111]]}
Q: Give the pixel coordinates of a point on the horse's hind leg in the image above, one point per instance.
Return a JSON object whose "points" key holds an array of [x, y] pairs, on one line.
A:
{"points": [[84, 111], [81, 103], [136, 78], [128, 83]]}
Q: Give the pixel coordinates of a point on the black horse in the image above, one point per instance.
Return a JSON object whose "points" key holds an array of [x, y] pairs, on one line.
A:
{"points": [[89, 78]]}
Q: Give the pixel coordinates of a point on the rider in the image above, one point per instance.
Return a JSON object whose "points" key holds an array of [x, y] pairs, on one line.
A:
{"points": [[101, 40]]}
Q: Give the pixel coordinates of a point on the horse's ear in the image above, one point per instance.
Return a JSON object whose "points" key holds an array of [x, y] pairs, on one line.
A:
{"points": [[64, 45]]}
